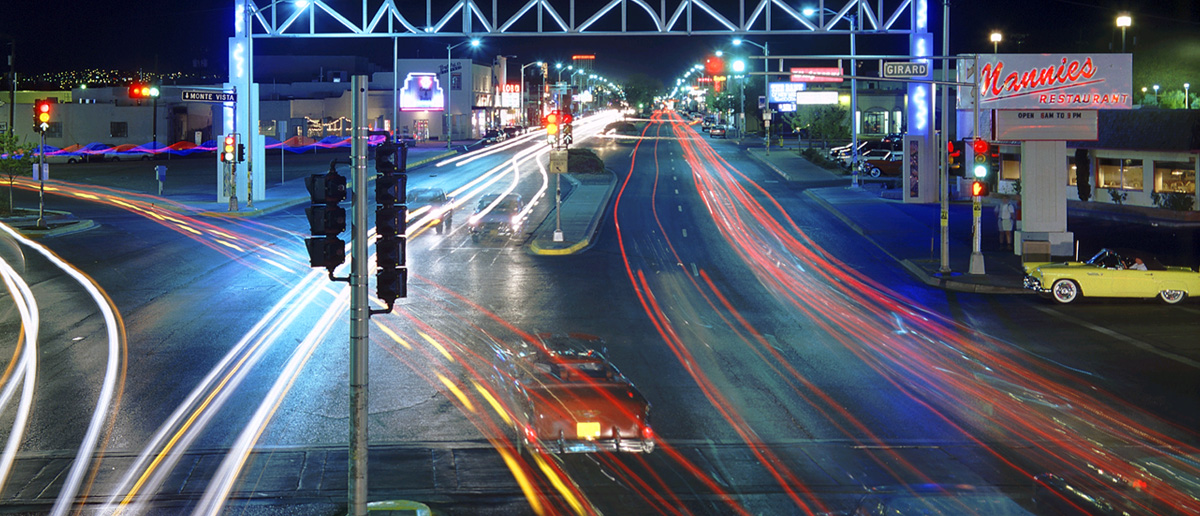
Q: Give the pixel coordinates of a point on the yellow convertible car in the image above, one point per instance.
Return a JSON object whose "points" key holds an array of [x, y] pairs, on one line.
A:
{"points": [[1112, 273]]}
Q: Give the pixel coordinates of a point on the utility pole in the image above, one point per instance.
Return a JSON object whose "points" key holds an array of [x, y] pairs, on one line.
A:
{"points": [[944, 175], [359, 308]]}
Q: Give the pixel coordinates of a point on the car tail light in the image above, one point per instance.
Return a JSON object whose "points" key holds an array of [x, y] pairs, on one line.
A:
{"points": [[647, 433]]}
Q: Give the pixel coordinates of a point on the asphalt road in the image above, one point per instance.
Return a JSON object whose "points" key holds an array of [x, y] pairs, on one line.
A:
{"points": [[781, 379]]}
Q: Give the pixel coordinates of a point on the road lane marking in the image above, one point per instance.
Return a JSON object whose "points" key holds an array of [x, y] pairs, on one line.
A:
{"points": [[1123, 338], [684, 233]]}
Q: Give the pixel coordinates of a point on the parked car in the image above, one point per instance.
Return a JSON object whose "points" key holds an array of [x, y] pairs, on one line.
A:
{"points": [[1112, 273], [493, 136], [717, 130], [842, 154], [432, 205], [881, 162], [496, 215], [575, 400]]}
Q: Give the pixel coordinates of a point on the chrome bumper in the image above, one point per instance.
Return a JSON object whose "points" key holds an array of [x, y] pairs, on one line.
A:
{"points": [[1035, 285]]}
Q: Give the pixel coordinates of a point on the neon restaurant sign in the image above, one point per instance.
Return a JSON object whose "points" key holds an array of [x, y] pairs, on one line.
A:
{"points": [[1050, 81]]}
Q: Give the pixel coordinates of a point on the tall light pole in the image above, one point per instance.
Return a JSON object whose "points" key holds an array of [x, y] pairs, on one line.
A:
{"points": [[1187, 101], [1155, 94], [446, 116], [739, 68], [996, 37], [854, 28], [524, 106], [766, 86], [1124, 21]]}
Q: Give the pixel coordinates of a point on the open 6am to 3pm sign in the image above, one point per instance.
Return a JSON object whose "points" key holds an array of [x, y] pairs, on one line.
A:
{"points": [[1048, 81]]}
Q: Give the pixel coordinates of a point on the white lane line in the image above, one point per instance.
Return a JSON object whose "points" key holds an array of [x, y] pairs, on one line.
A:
{"points": [[1123, 338]]}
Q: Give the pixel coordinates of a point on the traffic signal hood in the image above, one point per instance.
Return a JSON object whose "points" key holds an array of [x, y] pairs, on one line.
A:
{"points": [[229, 148], [43, 112], [391, 185], [326, 219], [954, 155], [981, 150]]}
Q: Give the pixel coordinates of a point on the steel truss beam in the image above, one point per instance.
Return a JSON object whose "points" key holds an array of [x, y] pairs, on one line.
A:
{"points": [[389, 18]]}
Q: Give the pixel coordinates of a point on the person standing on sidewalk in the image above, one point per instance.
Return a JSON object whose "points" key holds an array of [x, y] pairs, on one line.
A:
{"points": [[1005, 213]]}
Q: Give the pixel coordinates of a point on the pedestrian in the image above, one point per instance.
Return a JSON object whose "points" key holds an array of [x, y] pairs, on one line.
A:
{"points": [[1005, 213]]}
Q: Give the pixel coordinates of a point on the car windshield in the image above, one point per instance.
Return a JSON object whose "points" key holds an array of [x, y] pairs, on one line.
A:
{"points": [[756, 257]]}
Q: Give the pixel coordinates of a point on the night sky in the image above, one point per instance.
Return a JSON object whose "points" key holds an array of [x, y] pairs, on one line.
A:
{"points": [[59, 35]]}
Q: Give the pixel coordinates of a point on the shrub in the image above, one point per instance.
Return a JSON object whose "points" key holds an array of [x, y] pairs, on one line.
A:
{"points": [[1176, 201], [584, 161]]}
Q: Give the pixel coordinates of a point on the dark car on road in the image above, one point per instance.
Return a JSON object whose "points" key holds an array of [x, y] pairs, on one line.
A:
{"points": [[496, 215], [433, 206]]}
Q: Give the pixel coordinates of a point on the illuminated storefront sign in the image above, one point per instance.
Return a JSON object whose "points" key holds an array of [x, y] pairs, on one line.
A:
{"points": [[819, 74], [510, 96], [422, 92], [784, 91], [1050, 81]]}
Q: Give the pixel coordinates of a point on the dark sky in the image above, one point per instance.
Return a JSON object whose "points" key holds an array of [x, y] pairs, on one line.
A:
{"points": [[54, 35]]}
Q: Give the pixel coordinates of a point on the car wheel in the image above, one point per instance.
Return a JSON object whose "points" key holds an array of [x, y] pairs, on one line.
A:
{"points": [[875, 172], [145, 157], [1065, 291], [114, 158], [71, 160], [1172, 297]]}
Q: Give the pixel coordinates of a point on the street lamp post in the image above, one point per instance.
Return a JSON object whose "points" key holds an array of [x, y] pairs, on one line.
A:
{"points": [[446, 88], [1187, 101], [766, 86], [1124, 21], [1155, 94], [524, 102], [996, 37]]}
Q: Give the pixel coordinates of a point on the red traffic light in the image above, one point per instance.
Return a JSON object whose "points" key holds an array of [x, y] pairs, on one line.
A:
{"points": [[552, 121], [714, 66], [979, 189], [43, 111], [567, 118], [228, 148], [980, 146]]}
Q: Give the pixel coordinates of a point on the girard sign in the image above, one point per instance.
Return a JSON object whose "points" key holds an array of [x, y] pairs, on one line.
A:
{"points": [[1048, 81]]}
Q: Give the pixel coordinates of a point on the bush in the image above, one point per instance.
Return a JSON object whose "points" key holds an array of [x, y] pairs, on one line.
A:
{"points": [[1176, 201], [584, 161], [821, 159]]}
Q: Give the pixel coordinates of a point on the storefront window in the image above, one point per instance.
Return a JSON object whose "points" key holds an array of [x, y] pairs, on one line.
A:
{"points": [[1121, 174], [1072, 179], [875, 122], [1170, 176], [1010, 166]]}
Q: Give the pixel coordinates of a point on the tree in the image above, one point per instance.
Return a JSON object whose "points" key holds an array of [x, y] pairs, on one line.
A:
{"points": [[640, 90], [16, 159], [1083, 174], [821, 122]]}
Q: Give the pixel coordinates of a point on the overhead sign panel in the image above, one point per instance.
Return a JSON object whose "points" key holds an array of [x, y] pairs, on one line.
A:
{"points": [[817, 74], [208, 96], [1051, 125], [1048, 81], [421, 92], [905, 69]]}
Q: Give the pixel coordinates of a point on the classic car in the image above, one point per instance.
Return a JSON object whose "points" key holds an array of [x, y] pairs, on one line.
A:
{"points": [[575, 400], [496, 216], [881, 162], [431, 205], [1112, 273]]}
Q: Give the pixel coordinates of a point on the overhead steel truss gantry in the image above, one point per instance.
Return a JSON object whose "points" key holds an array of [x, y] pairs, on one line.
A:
{"points": [[322, 19]]}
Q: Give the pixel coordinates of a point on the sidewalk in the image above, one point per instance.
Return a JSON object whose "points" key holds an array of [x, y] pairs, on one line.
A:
{"points": [[909, 233]]}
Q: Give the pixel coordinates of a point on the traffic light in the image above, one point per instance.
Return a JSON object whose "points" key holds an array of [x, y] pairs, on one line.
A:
{"points": [[326, 219], [982, 166], [980, 188], [552, 126], [565, 128], [241, 152], [954, 156], [391, 282], [714, 65], [229, 146], [43, 111]]}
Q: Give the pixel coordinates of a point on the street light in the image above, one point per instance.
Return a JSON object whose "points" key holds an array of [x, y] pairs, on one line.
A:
{"points": [[1187, 103], [766, 85], [996, 37], [524, 102], [446, 116], [1123, 21], [1155, 94]]}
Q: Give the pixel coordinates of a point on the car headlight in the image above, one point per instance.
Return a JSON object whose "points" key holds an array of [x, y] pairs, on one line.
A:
{"points": [[516, 220]]}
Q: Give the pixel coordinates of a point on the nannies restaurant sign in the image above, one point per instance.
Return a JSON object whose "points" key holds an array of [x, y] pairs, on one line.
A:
{"points": [[1049, 81]]}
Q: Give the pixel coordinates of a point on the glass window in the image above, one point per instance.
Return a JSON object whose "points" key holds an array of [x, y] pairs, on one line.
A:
{"points": [[875, 122], [55, 130], [1171, 176], [118, 129], [1010, 166], [1122, 174], [1071, 178]]}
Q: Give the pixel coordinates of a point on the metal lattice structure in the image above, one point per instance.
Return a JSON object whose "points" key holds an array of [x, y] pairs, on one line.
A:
{"points": [[392, 18]]}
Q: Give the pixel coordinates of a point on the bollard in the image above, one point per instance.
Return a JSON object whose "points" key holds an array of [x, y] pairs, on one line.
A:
{"points": [[160, 173]]}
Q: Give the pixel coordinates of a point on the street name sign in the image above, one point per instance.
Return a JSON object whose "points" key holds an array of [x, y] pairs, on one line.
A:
{"points": [[904, 69], [208, 96]]}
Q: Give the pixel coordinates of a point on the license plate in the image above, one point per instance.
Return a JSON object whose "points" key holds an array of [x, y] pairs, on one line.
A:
{"points": [[587, 430]]}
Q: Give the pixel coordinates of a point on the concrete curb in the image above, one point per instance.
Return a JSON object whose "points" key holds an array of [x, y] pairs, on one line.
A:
{"points": [[768, 164], [535, 248]]}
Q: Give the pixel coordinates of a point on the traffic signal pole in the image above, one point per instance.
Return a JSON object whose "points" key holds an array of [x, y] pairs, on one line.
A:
{"points": [[359, 308], [944, 176]]}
